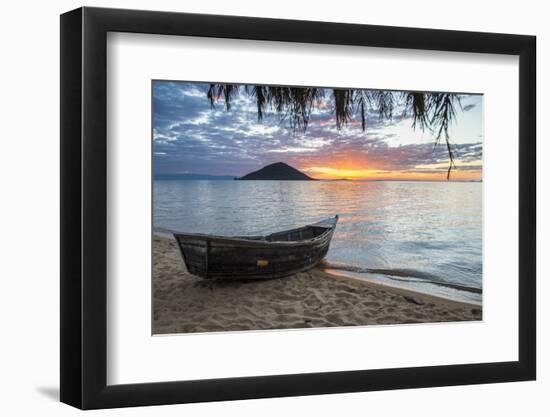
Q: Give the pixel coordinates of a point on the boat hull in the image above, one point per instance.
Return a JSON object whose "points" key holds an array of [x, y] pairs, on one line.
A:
{"points": [[214, 257]]}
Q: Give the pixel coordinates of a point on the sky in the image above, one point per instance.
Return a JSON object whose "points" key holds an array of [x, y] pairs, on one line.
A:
{"points": [[189, 136]]}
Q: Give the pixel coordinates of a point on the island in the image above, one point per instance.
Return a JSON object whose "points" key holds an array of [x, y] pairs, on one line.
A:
{"points": [[278, 171]]}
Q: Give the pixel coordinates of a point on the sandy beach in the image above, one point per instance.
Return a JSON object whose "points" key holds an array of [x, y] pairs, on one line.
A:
{"points": [[184, 303]]}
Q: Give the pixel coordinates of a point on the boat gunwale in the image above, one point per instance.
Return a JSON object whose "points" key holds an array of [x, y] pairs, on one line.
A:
{"points": [[242, 241]]}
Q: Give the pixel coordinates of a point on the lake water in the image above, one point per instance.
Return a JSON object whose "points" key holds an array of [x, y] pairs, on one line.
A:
{"points": [[425, 236]]}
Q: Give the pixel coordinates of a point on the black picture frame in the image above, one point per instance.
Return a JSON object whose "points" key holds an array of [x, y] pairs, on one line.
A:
{"points": [[84, 207]]}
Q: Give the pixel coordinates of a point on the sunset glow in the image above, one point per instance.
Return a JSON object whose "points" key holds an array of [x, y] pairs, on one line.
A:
{"points": [[329, 173]]}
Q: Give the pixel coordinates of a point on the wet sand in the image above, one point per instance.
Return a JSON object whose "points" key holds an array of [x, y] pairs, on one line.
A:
{"points": [[184, 303]]}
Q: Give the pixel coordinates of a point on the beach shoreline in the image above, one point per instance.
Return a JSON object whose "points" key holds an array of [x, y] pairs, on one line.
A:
{"points": [[183, 303], [342, 275]]}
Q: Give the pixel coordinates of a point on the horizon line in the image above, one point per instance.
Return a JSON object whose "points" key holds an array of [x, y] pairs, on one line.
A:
{"points": [[228, 176]]}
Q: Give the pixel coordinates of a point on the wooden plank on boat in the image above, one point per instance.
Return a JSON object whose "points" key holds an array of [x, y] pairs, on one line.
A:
{"points": [[206, 250]]}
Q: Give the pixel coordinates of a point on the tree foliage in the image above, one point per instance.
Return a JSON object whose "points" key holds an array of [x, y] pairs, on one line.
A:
{"points": [[432, 111]]}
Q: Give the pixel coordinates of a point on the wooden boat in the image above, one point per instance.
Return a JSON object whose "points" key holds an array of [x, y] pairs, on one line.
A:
{"points": [[256, 257]]}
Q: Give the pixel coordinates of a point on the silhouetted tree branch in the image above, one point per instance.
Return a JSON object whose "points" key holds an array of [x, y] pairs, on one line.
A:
{"points": [[432, 111]]}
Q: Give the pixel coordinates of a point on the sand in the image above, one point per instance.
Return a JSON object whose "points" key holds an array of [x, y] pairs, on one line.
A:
{"points": [[184, 303]]}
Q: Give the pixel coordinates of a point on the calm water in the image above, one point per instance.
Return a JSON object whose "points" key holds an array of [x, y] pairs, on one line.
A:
{"points": [[420, 235]]}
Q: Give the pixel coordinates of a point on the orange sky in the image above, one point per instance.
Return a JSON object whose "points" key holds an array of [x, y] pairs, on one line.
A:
{"points": [[354, 172], [356, 166]]}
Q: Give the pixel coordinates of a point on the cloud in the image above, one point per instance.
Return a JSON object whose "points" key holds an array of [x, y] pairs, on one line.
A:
{"points": [[191, 136]]}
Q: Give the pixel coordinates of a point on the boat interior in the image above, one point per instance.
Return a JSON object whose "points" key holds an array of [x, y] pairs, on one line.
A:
{"points": [[294, 235]]}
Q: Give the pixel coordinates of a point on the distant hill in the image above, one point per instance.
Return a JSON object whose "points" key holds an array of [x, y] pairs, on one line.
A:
{"points": [[193, 177], [278, 171]]}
